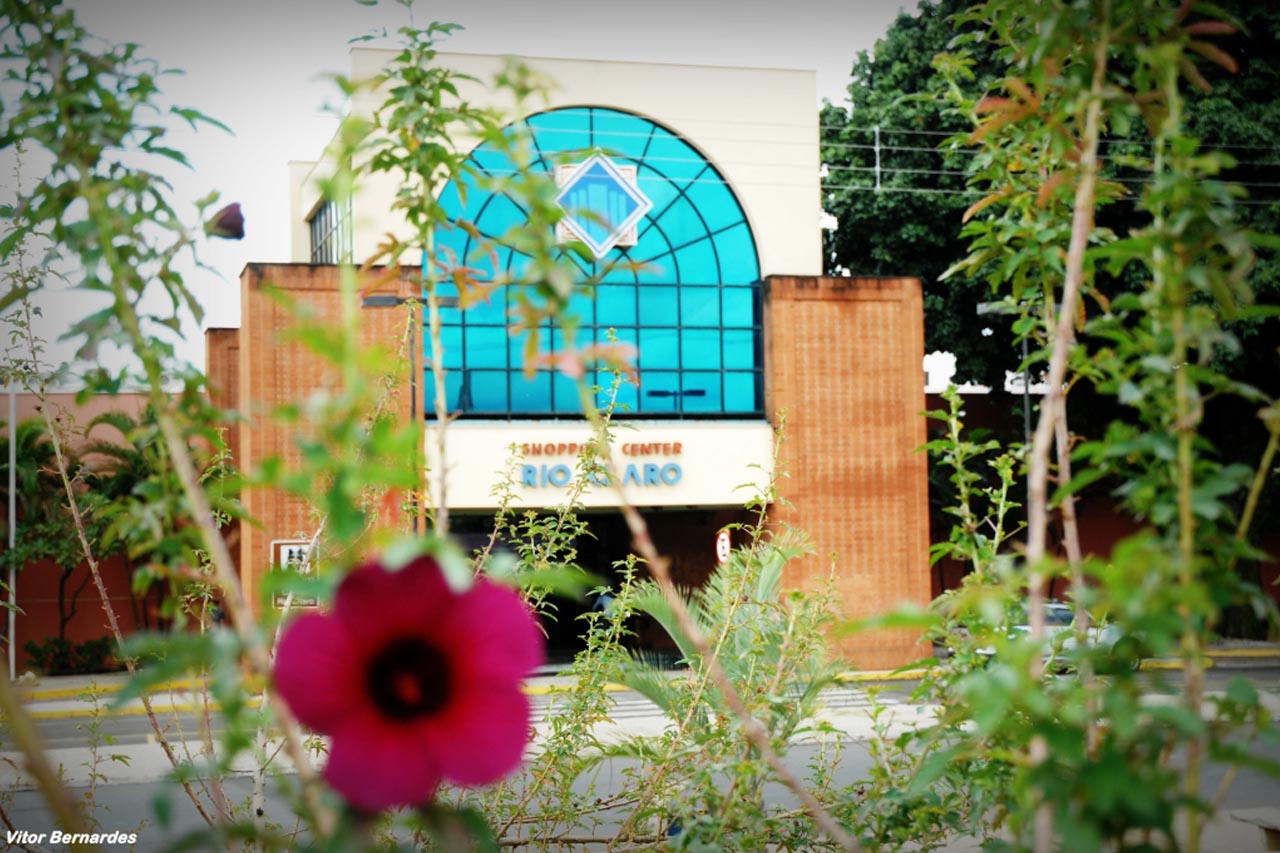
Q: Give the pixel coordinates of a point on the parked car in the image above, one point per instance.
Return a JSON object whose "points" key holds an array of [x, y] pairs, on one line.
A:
{"points": [[1121, 651]]}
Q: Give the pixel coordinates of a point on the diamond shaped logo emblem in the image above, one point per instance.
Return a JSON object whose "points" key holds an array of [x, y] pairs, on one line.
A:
{"points": [[601, 204]]}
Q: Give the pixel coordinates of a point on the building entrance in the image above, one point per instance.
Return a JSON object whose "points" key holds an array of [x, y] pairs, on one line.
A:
{"points": [[684, 536]]}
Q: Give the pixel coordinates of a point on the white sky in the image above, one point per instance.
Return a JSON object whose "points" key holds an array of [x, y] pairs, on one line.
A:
{"points": [[260, 67]]}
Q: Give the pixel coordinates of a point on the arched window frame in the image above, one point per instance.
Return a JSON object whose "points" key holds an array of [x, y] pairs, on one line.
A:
{"points": [[690, 300]]}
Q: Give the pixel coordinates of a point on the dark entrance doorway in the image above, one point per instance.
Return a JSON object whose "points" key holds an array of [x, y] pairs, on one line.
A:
{"points": [[684, 536]]}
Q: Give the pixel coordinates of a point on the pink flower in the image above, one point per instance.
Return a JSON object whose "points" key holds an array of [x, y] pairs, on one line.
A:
{"points": [[415, 683]]}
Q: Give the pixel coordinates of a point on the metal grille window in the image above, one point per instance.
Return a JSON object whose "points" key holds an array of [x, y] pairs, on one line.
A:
{"points": [[691, 306], [331, 233]]}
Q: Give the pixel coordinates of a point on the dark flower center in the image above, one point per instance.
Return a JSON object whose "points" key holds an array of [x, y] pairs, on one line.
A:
{"points": [[408, 679]]}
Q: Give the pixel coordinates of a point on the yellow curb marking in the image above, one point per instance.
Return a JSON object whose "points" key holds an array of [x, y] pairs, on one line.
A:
{"points": [[106, 689], [189, 684], [131, 710], [191, 707], [904, 675], [547, 689]]}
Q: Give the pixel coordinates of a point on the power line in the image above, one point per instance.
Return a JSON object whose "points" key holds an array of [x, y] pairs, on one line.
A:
{"points": [[1208, 145], [917, 132], [981, 194]]}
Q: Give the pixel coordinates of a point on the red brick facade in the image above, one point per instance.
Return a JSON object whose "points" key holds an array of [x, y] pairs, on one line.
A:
{"points": [[845, 363], [271, 369], [222, 359], [843, 358]]}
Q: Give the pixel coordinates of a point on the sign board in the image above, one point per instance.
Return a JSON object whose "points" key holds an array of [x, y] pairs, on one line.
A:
{"points": [[724, 547], [291, 555], [690, 464]]}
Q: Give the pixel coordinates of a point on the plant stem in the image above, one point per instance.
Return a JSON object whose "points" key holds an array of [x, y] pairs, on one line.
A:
{"points": [[1255, 492], [1079, 584], [438, 375], [659, 567], [113, 623], [201, 512], [28, 739], [1052, 406]]}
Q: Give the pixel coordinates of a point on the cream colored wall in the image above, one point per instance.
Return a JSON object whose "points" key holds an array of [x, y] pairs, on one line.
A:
{"points": [[759, 127], [303, 196]]}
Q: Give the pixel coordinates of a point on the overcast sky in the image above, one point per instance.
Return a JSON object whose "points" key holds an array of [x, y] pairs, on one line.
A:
{"points": [[261, 68]]}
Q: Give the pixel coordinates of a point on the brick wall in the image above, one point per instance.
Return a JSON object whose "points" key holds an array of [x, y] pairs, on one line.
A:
{"points": [[844, 358], [270, 370], [845, 361], [222, 359]]}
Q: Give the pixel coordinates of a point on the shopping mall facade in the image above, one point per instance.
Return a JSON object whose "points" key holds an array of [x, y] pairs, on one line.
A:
{"points": [[696, 190]]}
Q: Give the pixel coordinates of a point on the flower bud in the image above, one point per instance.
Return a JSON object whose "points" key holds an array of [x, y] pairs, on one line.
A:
{"points": [[227, 223]]}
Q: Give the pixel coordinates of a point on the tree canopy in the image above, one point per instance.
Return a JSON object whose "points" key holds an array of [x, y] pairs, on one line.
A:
{"points": [[899, 199]]}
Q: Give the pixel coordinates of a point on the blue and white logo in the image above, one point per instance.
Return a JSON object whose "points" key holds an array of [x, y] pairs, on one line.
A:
{"points": [[602, 205]]}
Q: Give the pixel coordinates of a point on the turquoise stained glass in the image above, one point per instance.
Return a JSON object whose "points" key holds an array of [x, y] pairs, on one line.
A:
{"points": [[692, 306]]}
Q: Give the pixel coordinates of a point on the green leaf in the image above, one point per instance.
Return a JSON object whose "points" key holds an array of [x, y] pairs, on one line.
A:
{"points": [[1242, 692], [1078, 483], [567, 581], [932, 768], [165, 658], [464, 829], [909, 616]]}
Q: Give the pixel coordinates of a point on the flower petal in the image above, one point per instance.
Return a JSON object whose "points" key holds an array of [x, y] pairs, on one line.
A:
{"points": [[317, 671], [495, 632], [375, 765], [376, 604], [481, 737]]}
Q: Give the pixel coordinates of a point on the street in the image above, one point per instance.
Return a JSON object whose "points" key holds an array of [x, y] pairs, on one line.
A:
{"points": [[126, 800]]}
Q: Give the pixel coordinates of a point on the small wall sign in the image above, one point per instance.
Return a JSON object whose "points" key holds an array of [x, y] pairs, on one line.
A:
{"points": [[292, 555], [724, 547]]}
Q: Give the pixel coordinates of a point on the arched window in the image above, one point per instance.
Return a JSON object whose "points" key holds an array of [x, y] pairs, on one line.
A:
{"points": [[692, 308]]}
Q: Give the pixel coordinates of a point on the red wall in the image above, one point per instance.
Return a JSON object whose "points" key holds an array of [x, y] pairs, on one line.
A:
{"points": [[1102, 523], [37, 596]]}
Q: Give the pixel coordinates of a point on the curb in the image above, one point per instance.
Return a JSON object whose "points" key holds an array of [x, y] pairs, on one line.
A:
{"points": [[32, 697], [131, 710], [137, 710], [189, 684], [877, 675], [54, 693], [1211, 660]]}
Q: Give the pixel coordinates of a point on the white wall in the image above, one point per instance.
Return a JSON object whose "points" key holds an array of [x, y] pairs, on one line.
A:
{"points": [[757, 126]]}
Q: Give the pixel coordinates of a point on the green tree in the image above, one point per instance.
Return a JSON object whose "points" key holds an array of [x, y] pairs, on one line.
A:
{"points": [[135, 498], [897, 197], [44, 529], [36, 481], [1240, 115], [129, 498], [911, 224]]}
